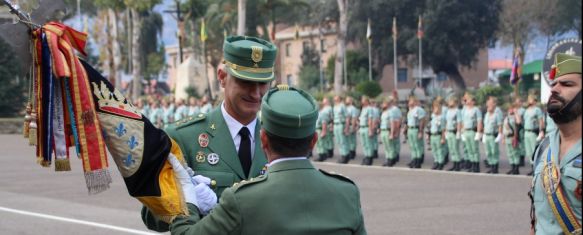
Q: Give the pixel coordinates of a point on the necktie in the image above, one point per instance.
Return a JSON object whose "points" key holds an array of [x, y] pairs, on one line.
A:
{"points": [[245, 150]]}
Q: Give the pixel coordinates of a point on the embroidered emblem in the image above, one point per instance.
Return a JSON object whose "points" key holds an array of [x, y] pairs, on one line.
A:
{"points": [[114, 102], [256, 55], [213, 159], [132, 142], [129, 160], [213, 127], [263, 170], [120, 130], [203, 140], [200, 157]]}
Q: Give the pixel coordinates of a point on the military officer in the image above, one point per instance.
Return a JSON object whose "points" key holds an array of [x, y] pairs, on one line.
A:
{"points": [[437, 135], [224, 144], [390, 129], [352, 115], [520, 116], [365, 121], [341, 126], [415, 127], [472, 129], [533, 126], [453, 132], [492, 135], [329, 138], [272, 203], [323, 131], [376, 114], [556, 185], [510, 131]]}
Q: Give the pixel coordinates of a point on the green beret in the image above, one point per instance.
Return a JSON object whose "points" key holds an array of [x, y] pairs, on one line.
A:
{"points": [[289, 112], [249, 58], [566, 64]]}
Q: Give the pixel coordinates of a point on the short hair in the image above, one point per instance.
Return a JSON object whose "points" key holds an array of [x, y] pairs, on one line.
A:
{"points": [[289, 147]]}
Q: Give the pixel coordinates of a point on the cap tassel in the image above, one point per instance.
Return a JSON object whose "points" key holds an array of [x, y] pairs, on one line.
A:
{"points": [[553, 72]]}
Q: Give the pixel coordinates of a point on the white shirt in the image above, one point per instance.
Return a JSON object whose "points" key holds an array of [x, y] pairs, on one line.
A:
{"points": [[234, 128], [285, 159]]}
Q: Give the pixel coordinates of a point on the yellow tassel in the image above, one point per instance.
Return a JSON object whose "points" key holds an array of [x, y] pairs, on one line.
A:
{"points": [[32, 135], [45, 163], [62, 165], [27, 118]]}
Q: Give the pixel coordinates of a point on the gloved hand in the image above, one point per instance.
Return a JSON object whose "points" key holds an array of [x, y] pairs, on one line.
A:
{"points": [[478, 136], [484, 139], [194, 189], [540, 136], [463, 138], [498, 138], [458, 135]]}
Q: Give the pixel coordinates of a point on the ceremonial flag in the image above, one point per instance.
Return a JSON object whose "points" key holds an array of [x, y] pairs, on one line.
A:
{"points": [[368, 31], [420, 28], [515, 70], [203, 35], [395, 28]]}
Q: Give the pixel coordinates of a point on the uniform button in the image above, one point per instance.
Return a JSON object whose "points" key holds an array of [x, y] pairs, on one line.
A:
{"points": [[213, 183]]}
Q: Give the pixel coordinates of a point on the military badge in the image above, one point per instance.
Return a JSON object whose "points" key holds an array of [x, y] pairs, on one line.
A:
{"points": [[203, 140], [200, 157], [213, 158], [263, 170]]}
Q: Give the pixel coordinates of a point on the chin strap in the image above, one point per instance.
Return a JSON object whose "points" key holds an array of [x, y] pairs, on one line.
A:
{"points": [[568, 107]]}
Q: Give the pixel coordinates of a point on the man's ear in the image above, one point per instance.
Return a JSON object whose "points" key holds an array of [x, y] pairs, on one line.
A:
{"points": [[264, 140], [314, 140], [222, 75]]}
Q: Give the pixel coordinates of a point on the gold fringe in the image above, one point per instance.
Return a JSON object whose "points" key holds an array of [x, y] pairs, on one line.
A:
{"points": [[62, 165], [45, 163], [27, 118], [98, 180], [25, 129]]}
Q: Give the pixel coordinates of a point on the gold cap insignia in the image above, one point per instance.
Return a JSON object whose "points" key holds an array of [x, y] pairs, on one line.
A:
{"points": [[256, 54]]}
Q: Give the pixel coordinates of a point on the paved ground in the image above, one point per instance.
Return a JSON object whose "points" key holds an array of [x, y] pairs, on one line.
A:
{"points": [[36, 200]]}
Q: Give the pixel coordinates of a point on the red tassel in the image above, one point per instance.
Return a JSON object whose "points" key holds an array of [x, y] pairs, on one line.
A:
{"points": [[553, 72]]}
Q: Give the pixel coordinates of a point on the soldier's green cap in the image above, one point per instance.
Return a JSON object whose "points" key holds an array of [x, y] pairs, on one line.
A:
{"points": [[566, 64], [289, 112], [249, 58]]}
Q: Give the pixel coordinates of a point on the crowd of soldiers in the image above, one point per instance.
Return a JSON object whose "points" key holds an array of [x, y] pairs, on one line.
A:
{"points": [[162, 111], [450, 124]]}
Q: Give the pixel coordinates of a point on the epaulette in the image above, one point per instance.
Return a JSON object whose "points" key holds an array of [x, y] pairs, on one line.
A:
{"points": [[337, 176], [189, 121], [236, 186]]}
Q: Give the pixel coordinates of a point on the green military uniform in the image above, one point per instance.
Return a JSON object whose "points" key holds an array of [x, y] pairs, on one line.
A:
{"points": [[532, 115], [470, 119], [556, 185], [353, 113], [452, 119], [436, 128], [340, 115], [293, 197], [391, 145], [465, 157], [521, 151], [550, 125], [205, 140], [492, 124], [444, 147], [414, 117], [321, 145], [395, 114], [365, 115], [329, 138], [374, 139], [509, 128]]}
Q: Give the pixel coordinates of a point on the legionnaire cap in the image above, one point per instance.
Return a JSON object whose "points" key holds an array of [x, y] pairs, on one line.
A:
{"points": [[565, 64], [249, 58], [289, 112]]}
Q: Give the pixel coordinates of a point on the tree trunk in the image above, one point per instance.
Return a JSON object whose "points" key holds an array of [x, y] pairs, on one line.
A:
{"points": [[136, 66], [241, 12], [115, 47], [341, 46], [454, 75]]}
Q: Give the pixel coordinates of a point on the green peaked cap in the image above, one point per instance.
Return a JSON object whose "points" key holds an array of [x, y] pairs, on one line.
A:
{"points": [[249, 58], [289, 112], [567, 64]]}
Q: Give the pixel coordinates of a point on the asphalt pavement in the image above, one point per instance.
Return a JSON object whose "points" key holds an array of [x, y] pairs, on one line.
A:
{"points": [[397, 200]]}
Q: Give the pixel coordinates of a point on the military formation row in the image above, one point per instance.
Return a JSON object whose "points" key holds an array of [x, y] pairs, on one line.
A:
{"points": [[445, 129]]}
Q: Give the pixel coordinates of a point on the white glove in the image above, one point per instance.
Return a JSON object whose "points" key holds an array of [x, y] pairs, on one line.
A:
{"points": [[540, 137], [484, 139], [458, 135], [463, 138], [498, 138], [194, 189], [477, 137]]}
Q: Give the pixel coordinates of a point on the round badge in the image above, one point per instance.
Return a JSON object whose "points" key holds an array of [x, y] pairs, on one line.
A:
{"points": [[200, 157], [213, 159], [203, 140]]}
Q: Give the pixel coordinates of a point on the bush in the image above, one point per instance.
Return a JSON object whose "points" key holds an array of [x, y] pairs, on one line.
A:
{"points": [[13, 88], [483, 93], [369, 88], [309, 78]]}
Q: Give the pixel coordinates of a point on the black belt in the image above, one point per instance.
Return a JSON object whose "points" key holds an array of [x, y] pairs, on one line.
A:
{"points": [[339, 123], [471, 129], [363, 126], [385, 129], [532, 130], [491, 134], [413, 127], [438, 133], [451, 131], [511, 135]]}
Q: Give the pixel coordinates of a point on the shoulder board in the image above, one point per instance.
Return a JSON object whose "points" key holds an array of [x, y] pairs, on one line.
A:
{"points": [[337, 176], [189, 121], [244, 183]]}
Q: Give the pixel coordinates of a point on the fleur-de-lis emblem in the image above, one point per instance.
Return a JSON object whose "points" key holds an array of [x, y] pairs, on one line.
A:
{"points": [[120, 130], [129, 160], [132, 142]]}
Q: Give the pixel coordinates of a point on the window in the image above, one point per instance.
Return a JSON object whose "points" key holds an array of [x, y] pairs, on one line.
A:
{"points": [[289, 79], [323, 45], [441, 76], [402, 75], [287, 48], [306, 45]]}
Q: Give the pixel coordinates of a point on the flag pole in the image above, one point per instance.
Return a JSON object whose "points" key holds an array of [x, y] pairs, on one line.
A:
{"points": [[395, 69], [369, 37], [420, 54]]}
